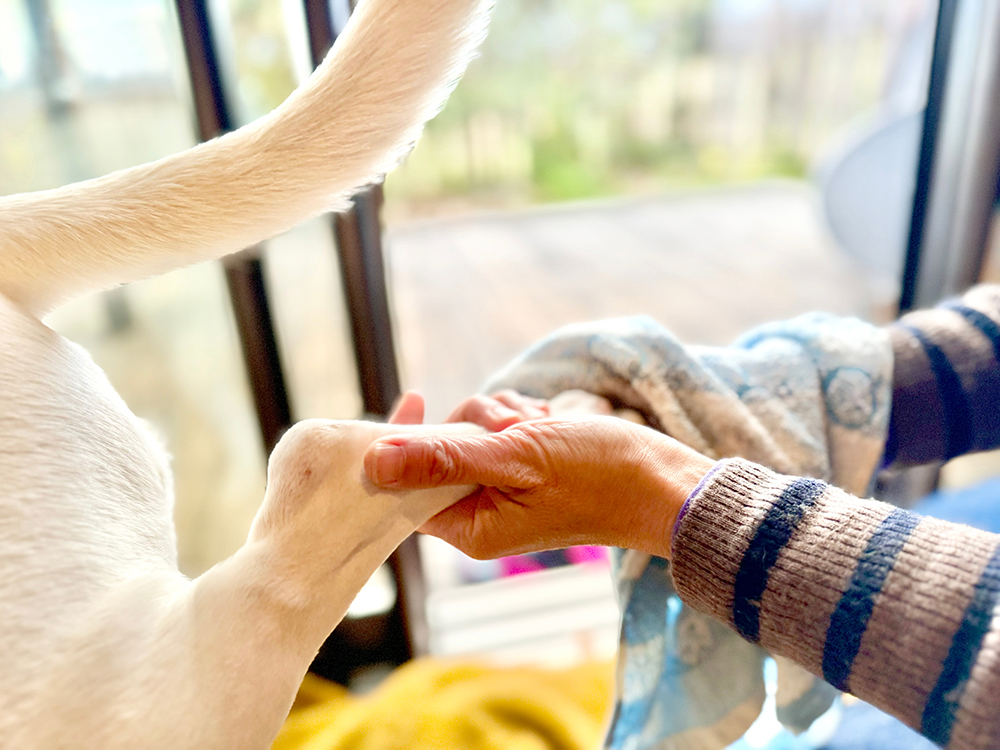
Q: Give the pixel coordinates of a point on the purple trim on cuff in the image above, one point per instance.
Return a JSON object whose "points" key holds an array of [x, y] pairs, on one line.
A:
{"points": [[698, 488]]}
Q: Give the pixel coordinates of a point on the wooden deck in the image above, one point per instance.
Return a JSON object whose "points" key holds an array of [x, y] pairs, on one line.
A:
{"points": [[470, 293]]}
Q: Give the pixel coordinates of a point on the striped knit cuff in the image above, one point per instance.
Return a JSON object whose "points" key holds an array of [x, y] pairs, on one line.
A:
{"points": [[704, 480], [903, 611], [946, 383]]}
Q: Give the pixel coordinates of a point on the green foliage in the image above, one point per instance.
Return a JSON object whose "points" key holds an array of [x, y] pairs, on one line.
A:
{"points": [[263, 59], [560, 174], [784, 162], [605, 95], [583, 98]]}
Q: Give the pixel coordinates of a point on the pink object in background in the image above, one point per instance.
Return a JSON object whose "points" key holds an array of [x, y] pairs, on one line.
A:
{"points": [[518, 564]]}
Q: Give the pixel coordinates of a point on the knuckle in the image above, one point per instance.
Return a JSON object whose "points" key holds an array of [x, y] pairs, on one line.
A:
{"points": [[441, 464]]}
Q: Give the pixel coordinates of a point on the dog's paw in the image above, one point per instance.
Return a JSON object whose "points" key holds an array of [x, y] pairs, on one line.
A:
{"points": [[316, 483], [323, 528]]}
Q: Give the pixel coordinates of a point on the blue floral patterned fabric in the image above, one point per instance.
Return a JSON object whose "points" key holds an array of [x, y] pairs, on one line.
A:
{"points": [[808, 397]]}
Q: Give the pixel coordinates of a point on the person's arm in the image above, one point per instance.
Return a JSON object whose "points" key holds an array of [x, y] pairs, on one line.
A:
{"points": [[899, 609], [946, 381], [902, 610]]}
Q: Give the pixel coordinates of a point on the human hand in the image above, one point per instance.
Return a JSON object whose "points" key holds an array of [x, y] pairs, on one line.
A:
{"points": [[494, 413], [547, 483]]}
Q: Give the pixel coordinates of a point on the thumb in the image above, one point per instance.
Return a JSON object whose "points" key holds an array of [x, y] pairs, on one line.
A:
{"points": [[419, 461]]}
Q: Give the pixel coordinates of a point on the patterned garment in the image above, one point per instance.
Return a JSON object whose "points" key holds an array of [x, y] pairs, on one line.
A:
{"points": [[807, 397], [899, 609]]}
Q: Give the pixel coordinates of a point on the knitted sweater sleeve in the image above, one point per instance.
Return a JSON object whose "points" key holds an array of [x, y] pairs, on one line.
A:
{"points": [[899, 609], [946, 381]]}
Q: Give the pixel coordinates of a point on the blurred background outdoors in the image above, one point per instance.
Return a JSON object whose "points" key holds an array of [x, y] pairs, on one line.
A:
{"points": [[618, 97], [675, 158]]}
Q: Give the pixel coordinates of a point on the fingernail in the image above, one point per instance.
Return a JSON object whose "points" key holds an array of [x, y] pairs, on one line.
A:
{"points": [[388, 464]]}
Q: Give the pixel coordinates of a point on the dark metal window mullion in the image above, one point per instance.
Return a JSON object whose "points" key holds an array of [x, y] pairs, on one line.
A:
{"points": [[905, 487], [244, 273], [359, 245], [955, 193], [944, 33], [959, 156]]}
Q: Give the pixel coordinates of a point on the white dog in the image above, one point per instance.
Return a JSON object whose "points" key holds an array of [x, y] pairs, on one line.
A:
{"points": [[104, 643]]}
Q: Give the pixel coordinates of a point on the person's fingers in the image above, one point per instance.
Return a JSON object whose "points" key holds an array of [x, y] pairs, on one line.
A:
{"points": [[475, 525], [409, 409], [453, 523], [487, 412], [531, 408], [413, 461]]}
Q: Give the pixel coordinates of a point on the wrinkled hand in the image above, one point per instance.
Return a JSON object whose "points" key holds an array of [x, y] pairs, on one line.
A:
{"points": [[547, 483]]}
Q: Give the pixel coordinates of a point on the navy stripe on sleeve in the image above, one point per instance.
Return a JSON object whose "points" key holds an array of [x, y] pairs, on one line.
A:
{"points": [[850, 618], [983, 388], [942, 704], [958, 415], [762, 553], [983, 322]]}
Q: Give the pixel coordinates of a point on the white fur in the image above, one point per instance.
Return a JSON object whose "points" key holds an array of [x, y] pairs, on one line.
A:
{"points": [[105, 644]]}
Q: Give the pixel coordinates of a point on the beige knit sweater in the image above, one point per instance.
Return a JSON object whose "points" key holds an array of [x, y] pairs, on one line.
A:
{"points": [[901, 610]]}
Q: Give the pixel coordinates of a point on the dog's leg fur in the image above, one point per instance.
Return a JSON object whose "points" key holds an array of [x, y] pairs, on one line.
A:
{"points": [[105, 644]]}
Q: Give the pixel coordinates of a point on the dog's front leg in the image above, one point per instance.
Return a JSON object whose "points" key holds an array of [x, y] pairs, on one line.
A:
{"points": [[215, 663], [322, 531]]}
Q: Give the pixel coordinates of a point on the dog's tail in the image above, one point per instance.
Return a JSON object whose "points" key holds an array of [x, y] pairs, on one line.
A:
{"points": [[350, 123]]}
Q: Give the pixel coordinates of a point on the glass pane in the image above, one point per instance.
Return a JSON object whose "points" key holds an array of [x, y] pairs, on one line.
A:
{"points": [[612, 97], [263, 55], [312, 323], [741, 161], [86, 88], [760, 156]]}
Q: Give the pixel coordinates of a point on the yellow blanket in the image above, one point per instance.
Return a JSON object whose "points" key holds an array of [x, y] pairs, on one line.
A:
{"points": [[431, 704]]}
